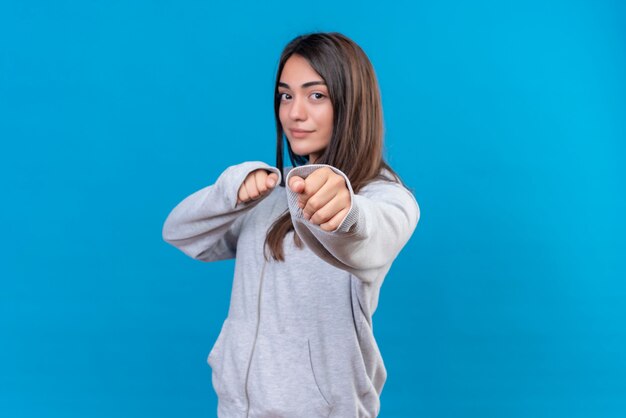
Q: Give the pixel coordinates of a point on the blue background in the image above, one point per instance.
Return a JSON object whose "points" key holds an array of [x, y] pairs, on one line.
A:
{"points": [[508, 122]]}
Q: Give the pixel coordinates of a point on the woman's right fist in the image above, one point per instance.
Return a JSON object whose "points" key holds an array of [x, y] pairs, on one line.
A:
{"points": [[257, 184]]}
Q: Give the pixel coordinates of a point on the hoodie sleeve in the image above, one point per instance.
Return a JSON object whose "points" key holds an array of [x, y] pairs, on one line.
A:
{"points": [[381, 219], [206, 224]]}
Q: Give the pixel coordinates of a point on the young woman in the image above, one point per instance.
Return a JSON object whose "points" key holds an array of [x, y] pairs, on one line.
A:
{"points": [[313, 243]]}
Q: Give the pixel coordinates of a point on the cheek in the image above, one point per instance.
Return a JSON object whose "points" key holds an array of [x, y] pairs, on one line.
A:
{"points": [[282, 114], [327, 118]]}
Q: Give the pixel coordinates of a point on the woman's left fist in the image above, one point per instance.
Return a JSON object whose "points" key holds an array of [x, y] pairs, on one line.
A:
{"points": [[323, 197]]}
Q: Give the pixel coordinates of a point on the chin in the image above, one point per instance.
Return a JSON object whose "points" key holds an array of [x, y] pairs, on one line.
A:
{"points": [[301, 151], [304, 148]]}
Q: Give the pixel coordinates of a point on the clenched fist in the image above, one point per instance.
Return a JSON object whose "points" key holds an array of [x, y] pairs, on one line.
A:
{"points": [[257, 184], [323, 197]]}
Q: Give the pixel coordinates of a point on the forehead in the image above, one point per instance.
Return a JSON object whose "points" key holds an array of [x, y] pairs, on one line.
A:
{"points": [[297, 71]]}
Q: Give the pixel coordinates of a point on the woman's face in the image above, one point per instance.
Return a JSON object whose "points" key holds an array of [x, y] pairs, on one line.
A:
{"points": [[305, 111]]}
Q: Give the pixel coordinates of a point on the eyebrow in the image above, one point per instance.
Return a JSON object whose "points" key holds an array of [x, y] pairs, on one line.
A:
{"points": [[305, 85]]}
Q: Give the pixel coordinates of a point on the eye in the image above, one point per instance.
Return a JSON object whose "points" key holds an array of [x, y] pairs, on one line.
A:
{"points": [[317, 96], [284, 96]]}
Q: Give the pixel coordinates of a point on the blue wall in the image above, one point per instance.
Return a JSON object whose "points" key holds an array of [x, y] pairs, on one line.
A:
{"points": [[508, 121]]}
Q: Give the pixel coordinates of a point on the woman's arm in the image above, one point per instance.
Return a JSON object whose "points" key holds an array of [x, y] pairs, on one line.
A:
{"points": [[206, 224], [378, 223]]}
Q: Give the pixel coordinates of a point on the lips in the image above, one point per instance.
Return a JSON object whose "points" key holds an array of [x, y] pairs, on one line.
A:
{"points": [[299, 133]]}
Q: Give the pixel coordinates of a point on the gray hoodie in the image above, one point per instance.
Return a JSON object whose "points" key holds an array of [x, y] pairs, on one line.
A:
{"points": [[298, 340]]}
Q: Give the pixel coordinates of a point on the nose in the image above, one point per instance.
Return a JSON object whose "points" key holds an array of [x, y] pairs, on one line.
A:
{"points": [[297, 110]]}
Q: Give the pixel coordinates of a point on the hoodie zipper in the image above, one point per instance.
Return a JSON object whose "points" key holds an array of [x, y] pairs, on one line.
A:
{"points": [[256, 335]]}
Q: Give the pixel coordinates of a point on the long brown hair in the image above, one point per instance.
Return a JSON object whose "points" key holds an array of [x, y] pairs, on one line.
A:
{"points": [[356, 144]]}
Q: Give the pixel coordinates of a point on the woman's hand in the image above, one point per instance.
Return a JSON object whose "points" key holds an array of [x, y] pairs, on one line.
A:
{"points": [[257, 184], [323, 197]]}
